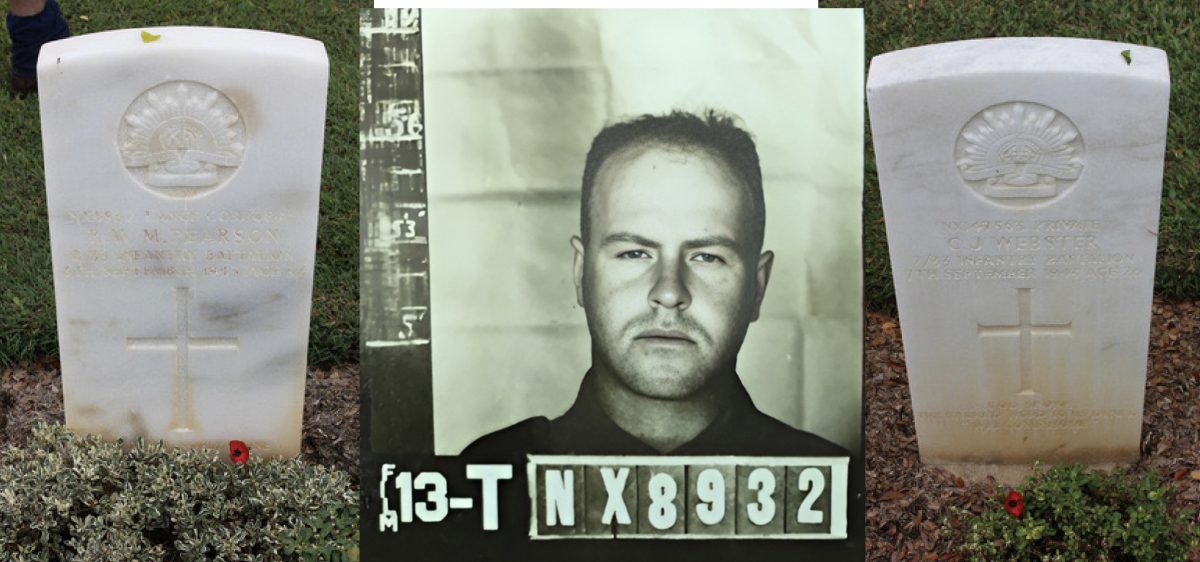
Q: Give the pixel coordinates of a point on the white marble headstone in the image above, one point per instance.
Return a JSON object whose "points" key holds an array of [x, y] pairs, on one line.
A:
{"points": [[1020, 181], [182, 178]]}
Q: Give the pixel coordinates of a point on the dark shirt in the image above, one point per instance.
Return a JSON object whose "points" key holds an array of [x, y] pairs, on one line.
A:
{"points": [[585, 429]]}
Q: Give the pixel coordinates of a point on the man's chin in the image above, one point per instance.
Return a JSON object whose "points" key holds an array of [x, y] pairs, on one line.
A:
{"points": [[665, 383]]}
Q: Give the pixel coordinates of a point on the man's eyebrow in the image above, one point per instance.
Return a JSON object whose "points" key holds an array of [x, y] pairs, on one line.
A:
{"points": [[628, 237], [707, 241]]}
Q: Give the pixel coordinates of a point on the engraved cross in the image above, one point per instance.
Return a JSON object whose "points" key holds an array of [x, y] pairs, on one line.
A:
{"points": [[1025, 330], [182, 343]]}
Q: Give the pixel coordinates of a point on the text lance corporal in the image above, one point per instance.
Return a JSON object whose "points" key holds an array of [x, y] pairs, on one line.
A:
{"points": [[173, 216], [1010, 225]]}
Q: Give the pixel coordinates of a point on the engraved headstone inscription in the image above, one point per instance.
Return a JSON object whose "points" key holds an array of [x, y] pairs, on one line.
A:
{"points": [[182, 191], [1020, 181]]}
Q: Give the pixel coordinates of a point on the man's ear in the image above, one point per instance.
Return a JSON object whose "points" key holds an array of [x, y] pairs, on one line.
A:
{"points": [[762, 275], [577, 244]]}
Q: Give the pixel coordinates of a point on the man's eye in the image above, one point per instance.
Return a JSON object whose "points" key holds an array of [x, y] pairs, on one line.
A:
{"points": [[633, 255], [707, 258]]}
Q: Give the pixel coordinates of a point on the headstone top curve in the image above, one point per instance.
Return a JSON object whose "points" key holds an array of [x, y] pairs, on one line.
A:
{"points": [[182, 38], [1064, 55]]}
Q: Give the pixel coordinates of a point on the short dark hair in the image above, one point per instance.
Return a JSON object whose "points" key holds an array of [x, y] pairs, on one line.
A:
{"points": [[712, 131]]}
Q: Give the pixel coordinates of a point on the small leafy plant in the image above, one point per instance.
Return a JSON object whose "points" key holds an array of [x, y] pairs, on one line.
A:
{"points": [[1069, 513], [79, 498]]}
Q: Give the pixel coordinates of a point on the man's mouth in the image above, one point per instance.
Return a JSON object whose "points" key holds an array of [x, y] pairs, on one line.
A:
{"points": [[669, 337]]}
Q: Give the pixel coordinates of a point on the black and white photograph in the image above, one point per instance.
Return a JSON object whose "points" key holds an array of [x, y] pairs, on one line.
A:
{"points": [[626, 239]]}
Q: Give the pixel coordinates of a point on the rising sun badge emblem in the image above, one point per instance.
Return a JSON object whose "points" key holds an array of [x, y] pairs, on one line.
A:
{"points": [[181, 138], [1019, 151]]}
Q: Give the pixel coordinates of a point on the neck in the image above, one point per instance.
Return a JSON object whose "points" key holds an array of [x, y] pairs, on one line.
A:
{"points": [[664, 424]]}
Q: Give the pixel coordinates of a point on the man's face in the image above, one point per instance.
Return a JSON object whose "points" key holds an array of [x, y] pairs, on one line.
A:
{"points": [[669, 278]]}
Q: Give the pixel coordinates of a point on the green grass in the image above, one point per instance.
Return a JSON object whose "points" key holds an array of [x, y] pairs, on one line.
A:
{"points": [[1171, 26], [27, 324]]}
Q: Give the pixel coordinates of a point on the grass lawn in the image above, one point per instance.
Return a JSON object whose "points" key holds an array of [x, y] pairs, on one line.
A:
{"points": [[27, 320], [1171, 26]]}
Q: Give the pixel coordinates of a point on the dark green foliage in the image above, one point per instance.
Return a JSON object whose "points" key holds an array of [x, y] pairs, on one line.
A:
{"points": [[27, 323], [1072, 513], [65, 497]]}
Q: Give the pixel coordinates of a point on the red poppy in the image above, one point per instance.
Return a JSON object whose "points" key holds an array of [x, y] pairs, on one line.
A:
{"points": [[1014, 504], [238, 452]]}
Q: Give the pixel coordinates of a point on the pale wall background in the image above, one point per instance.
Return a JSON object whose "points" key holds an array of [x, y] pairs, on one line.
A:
{"points": [[513, 99]]}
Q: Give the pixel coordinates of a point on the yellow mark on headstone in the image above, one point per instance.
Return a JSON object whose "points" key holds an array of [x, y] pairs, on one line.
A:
{"points": [[148, 37]]}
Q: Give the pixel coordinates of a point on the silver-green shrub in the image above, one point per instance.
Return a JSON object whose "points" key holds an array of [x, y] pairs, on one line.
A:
{"points": [[1072, 513], [65, 497]]}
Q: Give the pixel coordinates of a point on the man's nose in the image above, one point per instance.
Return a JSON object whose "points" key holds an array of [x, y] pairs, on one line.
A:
{"points": [[670, 286]]}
